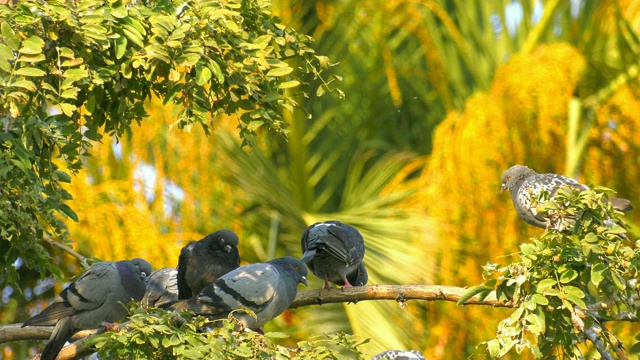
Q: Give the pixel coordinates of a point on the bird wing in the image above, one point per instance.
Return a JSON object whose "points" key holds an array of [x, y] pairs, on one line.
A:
{"points": [[87, 293], [251, 286], [184, 292], [344, 245], [162, 287]]}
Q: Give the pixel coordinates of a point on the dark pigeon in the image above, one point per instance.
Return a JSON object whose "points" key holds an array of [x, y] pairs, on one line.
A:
{"points": [[525, 186], [202, 262], [96, 297], [399, 355], [267, 289], [162, 288], [333, 251]]}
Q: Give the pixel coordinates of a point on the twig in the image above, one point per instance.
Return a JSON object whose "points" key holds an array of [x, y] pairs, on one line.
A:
{"points": [[84, 261]]}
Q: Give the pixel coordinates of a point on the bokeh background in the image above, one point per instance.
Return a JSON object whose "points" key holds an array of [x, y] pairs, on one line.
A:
{"points": [[441, 97]]}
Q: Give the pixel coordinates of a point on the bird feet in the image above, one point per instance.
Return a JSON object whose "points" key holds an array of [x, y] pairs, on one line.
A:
{"points": [[109, 326]]}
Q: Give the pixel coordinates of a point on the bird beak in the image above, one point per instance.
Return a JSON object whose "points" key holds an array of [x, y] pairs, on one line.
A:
{"points": [[304, 281], [227, 248], [503, 188]]}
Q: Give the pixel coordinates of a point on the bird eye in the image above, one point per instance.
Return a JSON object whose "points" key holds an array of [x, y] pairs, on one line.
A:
{"points": [[297, 268], [508, 178]]}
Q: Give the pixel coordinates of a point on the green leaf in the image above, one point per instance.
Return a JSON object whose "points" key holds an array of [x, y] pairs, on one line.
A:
{"points": [[25, 84], [573, 290], [119, 12], [9, 36], [32, 59], [6, 53], [567, 276], [134, 36], [545, 284], [598, 273], [471, 292], [188, 59], [171, 94], [288, 84], [635, 348], [120, 46], [32, 45], [591, 238], [213, 66], [494, 348], [618, 281], [68, 109], [276, 335], [576, 300], [71, 93], [203, 75], [281, 71], [63, 176], [540, 299], [536, 321], [66, 210], [30, 71]]}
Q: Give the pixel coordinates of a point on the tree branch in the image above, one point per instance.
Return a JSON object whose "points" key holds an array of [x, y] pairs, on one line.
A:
{"points": [[399, 293], [15, 332]]}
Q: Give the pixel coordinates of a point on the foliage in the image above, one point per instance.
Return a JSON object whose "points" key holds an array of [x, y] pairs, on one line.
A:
{"points": [[567, 282], [158, 334], [73, 71]]}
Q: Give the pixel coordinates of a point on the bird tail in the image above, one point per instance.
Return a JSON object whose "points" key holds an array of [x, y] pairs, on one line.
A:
{"points": [[620, 204], [179, 305], [61, 334], [308, 255]]}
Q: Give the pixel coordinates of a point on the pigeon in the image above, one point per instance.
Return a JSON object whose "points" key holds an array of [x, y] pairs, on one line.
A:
{"points": [[267, 289], [333, 251], [525, 186], [399, 355], [162, 288], [96, 297], [202, 262]]}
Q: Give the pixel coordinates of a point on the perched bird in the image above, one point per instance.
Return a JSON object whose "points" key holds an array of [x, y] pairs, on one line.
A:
{"points": [[96, 297], [267, 289], [525, 186], [333, 251], [399, 355], [202, 262], [162, 288]]}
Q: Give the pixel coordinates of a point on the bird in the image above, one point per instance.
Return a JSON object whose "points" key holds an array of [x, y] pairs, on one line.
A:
{"points": [[334, 251], [399, 355], [201, 262], [162, 288], [267, 289], [526, 185], [95, 298]]}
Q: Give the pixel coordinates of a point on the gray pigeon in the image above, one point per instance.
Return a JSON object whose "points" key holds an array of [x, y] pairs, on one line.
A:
{"points": [[162, 288], [334, 252], [399, 355], [202, 262], [96, 297], [267, 289], [525, 185]]}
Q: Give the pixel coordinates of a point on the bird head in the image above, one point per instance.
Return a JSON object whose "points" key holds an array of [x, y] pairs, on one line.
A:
{"points": [[512, 175]]}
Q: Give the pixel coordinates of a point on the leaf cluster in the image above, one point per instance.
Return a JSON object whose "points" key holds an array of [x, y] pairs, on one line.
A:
{"points": [[73, 71], [578, 274], [158, 334]]}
